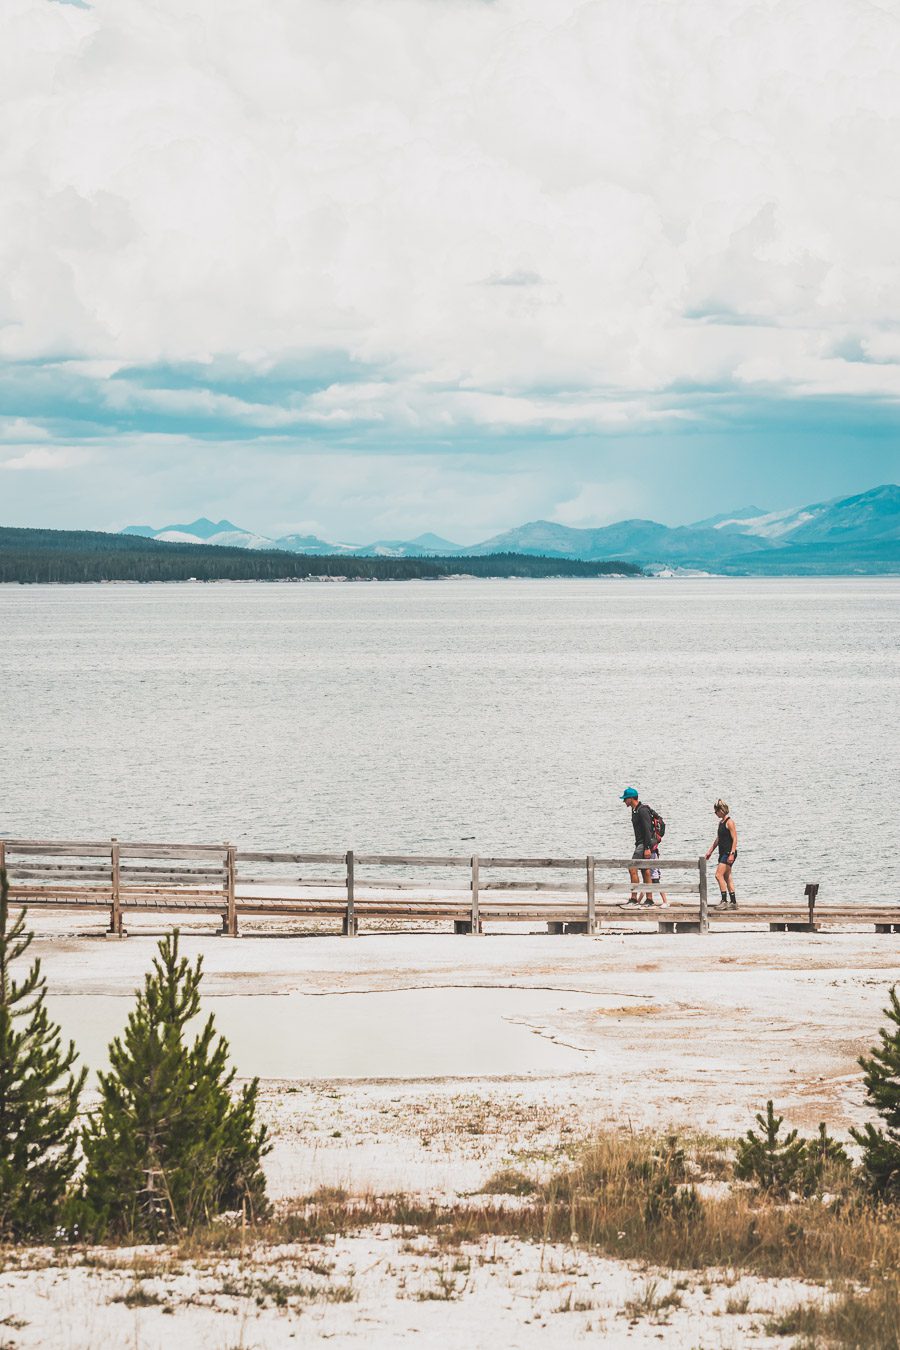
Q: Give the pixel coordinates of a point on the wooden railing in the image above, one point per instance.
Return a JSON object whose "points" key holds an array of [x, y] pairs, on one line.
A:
{"points": [[469, 891], [229, 883]]}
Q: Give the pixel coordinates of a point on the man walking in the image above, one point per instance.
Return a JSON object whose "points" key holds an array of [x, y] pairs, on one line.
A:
{"points": [[646, 845]]}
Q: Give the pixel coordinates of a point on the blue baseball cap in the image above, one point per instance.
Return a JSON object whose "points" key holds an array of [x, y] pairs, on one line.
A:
{"points": [[630, 794]]}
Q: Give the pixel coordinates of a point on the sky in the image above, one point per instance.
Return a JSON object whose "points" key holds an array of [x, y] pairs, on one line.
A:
{"points": [[367, 268]]}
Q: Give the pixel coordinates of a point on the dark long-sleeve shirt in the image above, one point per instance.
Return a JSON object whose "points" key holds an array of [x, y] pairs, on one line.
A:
{"points": [[643, 828]]}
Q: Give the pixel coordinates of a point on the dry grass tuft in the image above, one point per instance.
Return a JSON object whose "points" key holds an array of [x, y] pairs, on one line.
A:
{"points": [[272, 1291], [652, 1302], [509, 1181], [138, 1296], [856, 1320], [631, 1197]]}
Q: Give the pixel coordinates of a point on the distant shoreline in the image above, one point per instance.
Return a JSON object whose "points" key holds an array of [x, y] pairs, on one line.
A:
{"points": [[458, 576], [72, 556], [65, 557], [324, 580]]}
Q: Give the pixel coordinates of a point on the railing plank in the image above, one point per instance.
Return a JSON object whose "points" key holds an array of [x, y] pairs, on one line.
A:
{"points": [[409, 860], [561, 863], [172, 850], [38, 848], [254, 855]]}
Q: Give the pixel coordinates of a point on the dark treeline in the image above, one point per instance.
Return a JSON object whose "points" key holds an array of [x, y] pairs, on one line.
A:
{"points": [[70, 556]]}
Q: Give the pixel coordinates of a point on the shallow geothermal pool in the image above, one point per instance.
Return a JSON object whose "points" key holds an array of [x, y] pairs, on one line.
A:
{"points": [[408, 1033]]}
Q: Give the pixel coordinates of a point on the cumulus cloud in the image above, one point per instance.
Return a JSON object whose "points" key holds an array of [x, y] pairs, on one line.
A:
{"points": [[44, 459], [603, 503], [611, 198], [505, 220], [338, 493], [18, 429]]}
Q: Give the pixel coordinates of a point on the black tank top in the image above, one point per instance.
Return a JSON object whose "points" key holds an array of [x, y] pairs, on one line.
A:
{"points": [[725, 844]]}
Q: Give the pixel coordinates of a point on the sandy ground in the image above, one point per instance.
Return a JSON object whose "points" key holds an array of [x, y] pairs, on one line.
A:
{"points": [[687, 1032], [379, 1290]]}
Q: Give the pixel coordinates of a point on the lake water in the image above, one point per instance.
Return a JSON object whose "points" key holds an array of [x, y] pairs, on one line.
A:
{"points": [[490, 716]]}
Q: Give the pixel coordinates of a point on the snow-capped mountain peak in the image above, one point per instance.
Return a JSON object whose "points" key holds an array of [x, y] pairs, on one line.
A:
{"points": [[772, 525]]}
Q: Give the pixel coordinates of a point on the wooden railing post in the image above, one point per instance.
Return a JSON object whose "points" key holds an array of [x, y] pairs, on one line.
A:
{"points": [[704, 896], [115, 885], [811, 892], [591, 897], [476, 913], [230, 927], [351, 927]]}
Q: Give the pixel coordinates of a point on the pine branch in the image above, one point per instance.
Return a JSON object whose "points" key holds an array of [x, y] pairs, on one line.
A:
{"points": [[39, 1093]]}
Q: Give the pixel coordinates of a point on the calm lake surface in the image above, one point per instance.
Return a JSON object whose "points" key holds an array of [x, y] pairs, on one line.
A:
{"points": [[489, 716]]}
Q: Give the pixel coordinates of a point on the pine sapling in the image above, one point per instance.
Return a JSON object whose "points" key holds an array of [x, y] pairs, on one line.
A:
{"points": [[881, 1075], [824, 1157], [39, 1093], [669, 1195], [774, 1164], [169, 1146]]}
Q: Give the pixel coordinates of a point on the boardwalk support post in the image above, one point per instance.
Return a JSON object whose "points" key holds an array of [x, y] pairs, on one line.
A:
{"points": [[811, 891], [476, 911], [115, 929], [229, 918], [591, 896], [704, 896], [810, 926], [350, 927]]}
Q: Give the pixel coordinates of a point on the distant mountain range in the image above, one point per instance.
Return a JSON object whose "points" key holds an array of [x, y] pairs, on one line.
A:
{"points": [[227, 535], [859, 534]]}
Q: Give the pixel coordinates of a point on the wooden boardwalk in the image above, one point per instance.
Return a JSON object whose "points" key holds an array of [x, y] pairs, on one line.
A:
{"points": [[352, 890]]}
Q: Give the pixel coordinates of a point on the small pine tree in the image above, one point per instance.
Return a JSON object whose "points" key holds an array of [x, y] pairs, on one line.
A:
{"points": [[824, 1157], [881, 1074], [169, 1147], [668, 1195], [774, 1164], [38, 1094]]}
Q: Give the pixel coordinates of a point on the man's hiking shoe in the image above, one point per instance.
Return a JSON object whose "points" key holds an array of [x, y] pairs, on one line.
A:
{"points": [[648, 903], [723, 904], [633, 903], [732, 904]]}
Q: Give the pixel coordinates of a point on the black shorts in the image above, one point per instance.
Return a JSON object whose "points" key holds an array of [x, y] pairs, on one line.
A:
{"points": [[723, 858]]}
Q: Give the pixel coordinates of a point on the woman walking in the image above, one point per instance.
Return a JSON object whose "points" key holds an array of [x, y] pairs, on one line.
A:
{"points": [[726, 842]]}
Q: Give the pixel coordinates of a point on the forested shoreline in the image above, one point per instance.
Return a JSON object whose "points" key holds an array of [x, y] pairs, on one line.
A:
{"points": [[41, 557]]}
